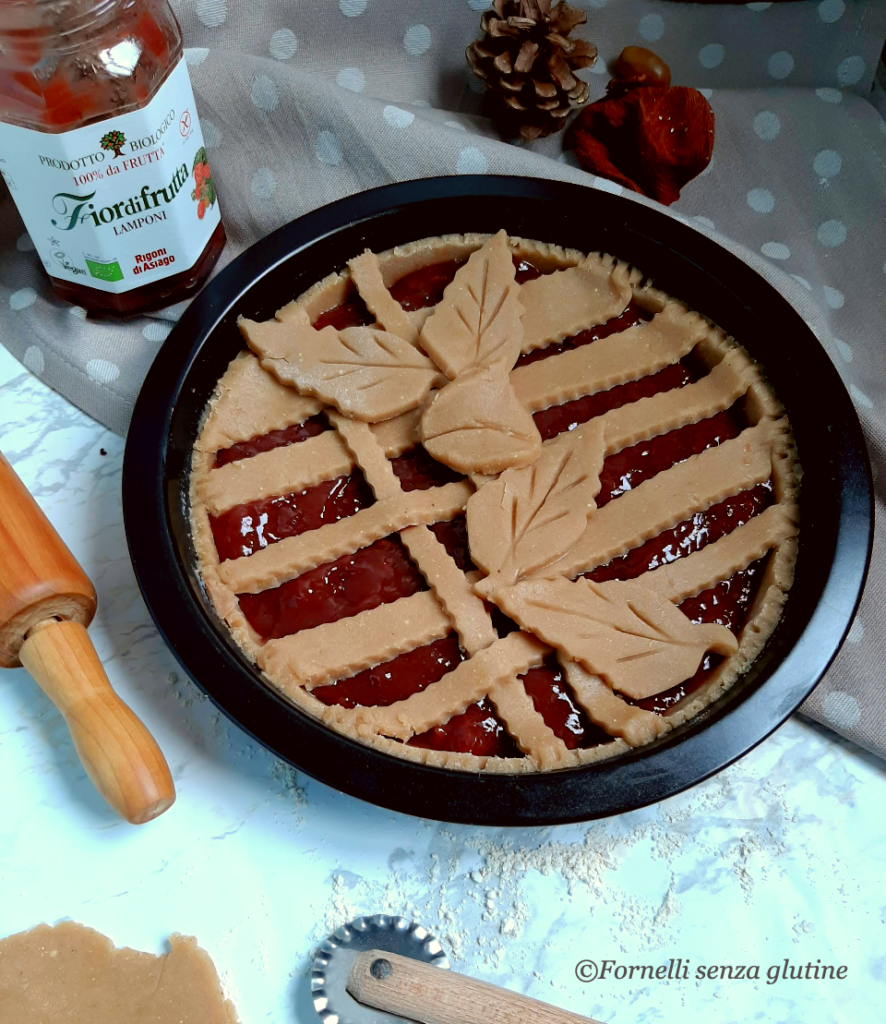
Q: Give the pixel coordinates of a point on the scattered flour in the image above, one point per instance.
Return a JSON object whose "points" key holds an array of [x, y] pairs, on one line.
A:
{"points": [[476, 890]]}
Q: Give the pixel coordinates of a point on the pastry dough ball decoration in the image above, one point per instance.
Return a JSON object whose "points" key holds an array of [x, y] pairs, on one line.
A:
{"points": [[487, 504]]}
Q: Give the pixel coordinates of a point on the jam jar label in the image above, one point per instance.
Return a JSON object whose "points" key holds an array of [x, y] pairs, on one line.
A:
{"points": [[120, 203]]}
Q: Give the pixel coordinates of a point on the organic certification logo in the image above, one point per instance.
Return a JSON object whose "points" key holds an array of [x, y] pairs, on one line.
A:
{"points": [[113, 140], [104, 269]]}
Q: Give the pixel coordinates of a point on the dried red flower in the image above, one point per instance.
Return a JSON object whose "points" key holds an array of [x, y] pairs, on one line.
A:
{"points": [[652, 139]]}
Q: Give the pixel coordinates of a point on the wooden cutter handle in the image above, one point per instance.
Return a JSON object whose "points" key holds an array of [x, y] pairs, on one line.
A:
{"points": [[428, 994], [119, 754]]}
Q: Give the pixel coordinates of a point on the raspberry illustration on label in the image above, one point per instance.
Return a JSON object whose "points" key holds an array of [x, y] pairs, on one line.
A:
{"points": [[204, 190]]}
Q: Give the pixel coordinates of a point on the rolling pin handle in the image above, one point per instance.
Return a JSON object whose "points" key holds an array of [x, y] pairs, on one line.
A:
{"points": [[119, 754], [46, 603]]}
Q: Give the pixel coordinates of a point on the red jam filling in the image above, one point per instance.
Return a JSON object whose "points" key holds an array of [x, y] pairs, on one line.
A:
{"points": [[355, 583], [525, 271], [553, 700], [425, 287], [558, 418], [353, 312], [727, 603], [275, 439], [244, 529], [478, 730], [628, 468], [453, 535], [418, 471], [632, 316], [383, 572], [397, 679]]}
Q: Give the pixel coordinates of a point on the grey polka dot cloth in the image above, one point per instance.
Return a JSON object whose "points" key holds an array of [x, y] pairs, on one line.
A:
{"points": [[302, 104]]}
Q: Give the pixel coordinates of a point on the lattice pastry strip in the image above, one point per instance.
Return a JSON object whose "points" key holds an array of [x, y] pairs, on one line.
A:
{"points": [[250, 402], [390, 315], [282, 470], [401, 433], [465, 610], [288, 558], [464, 685], [568, 301], [669, 410], [669, 497], [527, 727], [688, 576], [607, 710], [337, 650], [628, 355]]}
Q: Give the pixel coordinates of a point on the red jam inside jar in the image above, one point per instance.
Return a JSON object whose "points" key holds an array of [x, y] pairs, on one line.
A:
{"points": [[66, 64]]}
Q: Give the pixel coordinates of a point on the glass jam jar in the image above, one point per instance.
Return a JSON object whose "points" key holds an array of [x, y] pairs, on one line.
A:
{"points": [[101, 149]]}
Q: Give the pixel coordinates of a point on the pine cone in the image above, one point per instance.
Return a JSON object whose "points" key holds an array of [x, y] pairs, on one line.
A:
{"points": [[526, 59]]}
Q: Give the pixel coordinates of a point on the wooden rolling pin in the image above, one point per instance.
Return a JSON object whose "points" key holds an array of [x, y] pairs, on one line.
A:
{"points": [[46, 603], [422, 992]]}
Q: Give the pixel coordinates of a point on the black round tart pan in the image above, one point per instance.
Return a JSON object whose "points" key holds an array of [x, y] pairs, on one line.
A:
{"points": [[835, 503]]}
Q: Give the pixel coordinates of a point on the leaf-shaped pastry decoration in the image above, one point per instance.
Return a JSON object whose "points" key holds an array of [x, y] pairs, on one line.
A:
{"points": [[527, 518], [366, 373], [479, 320], [636, 640], [476, 424]]}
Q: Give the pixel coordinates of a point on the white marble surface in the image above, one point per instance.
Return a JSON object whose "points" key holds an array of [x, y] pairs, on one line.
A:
{"points": [[781, 856]]}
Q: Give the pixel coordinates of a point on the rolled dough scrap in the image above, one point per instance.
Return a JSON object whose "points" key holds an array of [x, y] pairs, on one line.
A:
{"points": [[69, 974]]}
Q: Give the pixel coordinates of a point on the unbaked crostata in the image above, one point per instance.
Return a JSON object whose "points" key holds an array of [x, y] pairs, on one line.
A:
{"points": [[489, 504]]}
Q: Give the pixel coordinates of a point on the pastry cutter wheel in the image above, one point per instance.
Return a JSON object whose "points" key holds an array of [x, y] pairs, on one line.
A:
{"points": [[387, 970]]}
